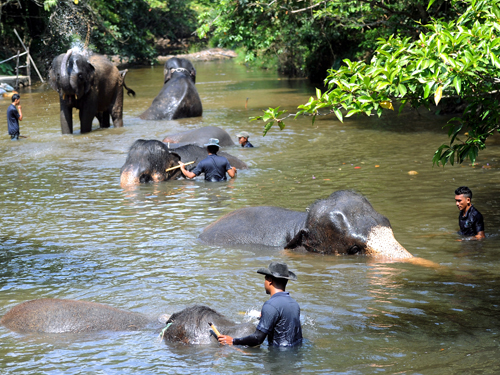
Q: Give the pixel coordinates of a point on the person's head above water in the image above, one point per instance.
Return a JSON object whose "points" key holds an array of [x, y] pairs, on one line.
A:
{"points": [[277, 276], [212, 146], [463, 197], [243, 138]]}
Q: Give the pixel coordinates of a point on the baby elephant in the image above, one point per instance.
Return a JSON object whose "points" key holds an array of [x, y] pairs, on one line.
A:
{"points": [[53, 315], [178, 98], [191, 326]]}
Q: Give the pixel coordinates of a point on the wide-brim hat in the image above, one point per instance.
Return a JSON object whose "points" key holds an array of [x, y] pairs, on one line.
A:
{"points": [[243, 134], [212, 142], [278, 271]]}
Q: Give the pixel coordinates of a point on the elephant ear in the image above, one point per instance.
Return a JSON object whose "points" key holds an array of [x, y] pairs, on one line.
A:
{"points": [[192, 73], [89, 82], [298, 240], [167, 72]]}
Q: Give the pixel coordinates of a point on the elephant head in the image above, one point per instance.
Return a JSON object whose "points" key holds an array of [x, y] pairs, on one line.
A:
{"points": [[147, 161], [183, 66], [346, 223], [191, 326], [72, 74]]}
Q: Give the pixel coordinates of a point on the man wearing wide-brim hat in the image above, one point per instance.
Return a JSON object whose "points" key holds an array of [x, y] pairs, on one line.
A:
{"points": [[214, 166], [280, 315]]}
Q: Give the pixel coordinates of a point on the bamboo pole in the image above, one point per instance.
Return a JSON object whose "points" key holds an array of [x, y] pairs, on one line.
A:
{"points": [[28, 70], [177, 166], [31, 59], [17, 71]]}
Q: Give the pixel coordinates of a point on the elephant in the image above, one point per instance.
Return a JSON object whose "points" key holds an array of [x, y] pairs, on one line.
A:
{"points": [[52, 315], [147, 161], [343, 223], [191, 326], [199, 137], [178, 98], [90, 83]]}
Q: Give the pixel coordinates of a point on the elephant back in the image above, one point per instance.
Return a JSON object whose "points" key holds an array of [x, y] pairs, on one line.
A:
{"points": [[60, 316]]}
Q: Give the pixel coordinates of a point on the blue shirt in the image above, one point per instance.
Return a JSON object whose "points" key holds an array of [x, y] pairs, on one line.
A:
{"points": [[13, 119], [214, 167], [248, 144], [472, 223], [280, 320]]}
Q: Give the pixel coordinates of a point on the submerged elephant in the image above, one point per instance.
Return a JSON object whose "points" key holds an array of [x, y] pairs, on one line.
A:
{"points": [[344, 223], [91, 84], [191, 326], [52, 315], [148, 160], [200, 136], [178, 98]]}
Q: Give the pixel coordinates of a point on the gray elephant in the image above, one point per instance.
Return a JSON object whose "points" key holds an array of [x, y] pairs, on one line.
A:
{"points": [[199, 137], [90, 83], [344, 223], [178, 98], [52, 315], [191, 326], [148, 160]]}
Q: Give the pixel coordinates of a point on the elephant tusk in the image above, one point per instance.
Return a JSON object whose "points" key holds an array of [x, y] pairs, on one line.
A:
{"points": [[178, 166]]}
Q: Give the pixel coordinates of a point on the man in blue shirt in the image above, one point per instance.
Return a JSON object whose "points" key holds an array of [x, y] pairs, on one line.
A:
{"points": [[14, 116], [214, 166], [243, 139], [470, 219], [280, 315]]}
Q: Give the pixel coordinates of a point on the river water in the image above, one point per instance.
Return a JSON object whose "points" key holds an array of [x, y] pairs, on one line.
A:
{"points": [[68, 230]]}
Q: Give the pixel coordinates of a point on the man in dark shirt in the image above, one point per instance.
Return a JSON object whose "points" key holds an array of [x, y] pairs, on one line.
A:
{"points": [[14, 116], [470, 220], [214, 166], [280, 315], [243, 139]]}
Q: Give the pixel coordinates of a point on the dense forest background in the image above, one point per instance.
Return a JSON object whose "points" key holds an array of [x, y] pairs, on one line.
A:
{"points": [[296, 37]]}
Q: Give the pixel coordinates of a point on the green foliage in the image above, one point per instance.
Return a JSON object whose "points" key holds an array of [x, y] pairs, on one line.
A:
{"points": [[310, 37], [455, 59]]}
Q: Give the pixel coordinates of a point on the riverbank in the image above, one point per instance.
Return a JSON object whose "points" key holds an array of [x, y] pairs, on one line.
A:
{"points": [[205, 55]]}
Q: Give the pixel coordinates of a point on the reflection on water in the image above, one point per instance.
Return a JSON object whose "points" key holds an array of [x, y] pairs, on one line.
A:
{"points": [[70, 231]]}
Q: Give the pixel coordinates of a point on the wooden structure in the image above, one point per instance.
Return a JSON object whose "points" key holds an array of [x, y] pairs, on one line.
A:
{"points": [[29, 61]]}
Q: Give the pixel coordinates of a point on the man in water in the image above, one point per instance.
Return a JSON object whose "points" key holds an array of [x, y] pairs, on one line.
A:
{"points": [[280, 315], [243, 139], [214, 166], [14, 115], [470, 220]]}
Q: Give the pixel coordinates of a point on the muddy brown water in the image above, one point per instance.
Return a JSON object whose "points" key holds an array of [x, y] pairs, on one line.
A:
{"points": [[68, 230]]}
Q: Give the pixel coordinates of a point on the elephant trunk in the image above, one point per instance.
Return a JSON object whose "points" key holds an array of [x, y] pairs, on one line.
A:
{"points": [[65, 79], [382, 244]]}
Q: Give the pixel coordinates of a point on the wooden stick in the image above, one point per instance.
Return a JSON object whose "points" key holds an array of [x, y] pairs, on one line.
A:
{"points": [[178, 166], [217, 333]]}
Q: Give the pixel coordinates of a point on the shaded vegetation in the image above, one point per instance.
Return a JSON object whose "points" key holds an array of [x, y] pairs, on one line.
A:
{"points": [[128, 28]]}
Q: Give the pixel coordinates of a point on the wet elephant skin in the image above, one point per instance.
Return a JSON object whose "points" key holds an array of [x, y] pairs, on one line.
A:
{"points": [[148, 160], [61, 316], [91, 84], [190, 326], [178, 97], [343, 223], [200, 137]]}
